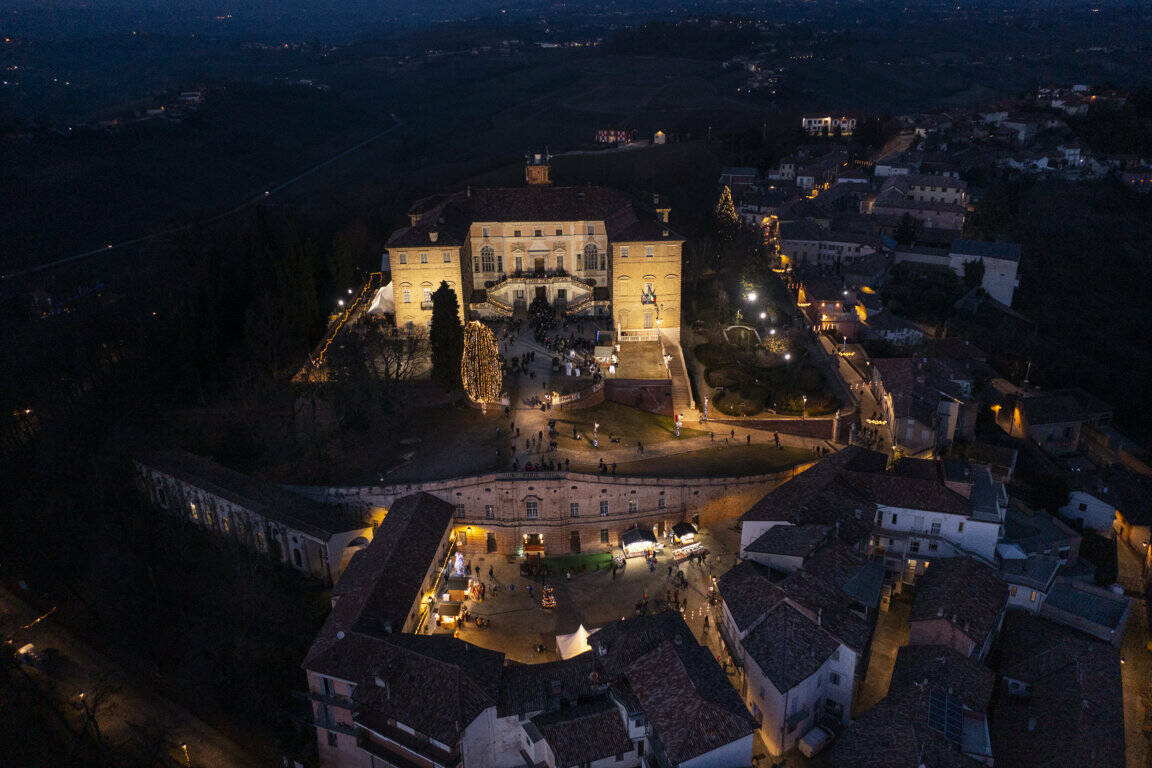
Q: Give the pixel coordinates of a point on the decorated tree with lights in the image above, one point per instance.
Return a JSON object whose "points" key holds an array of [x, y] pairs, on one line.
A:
{"points": [[480, 364], [725, 215]]}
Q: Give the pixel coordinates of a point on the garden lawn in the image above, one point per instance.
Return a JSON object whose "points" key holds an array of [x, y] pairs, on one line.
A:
{"points": [[627, 423], [734, 461]]}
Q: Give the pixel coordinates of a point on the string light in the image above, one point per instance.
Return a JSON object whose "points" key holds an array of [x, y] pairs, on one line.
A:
{"points": [[480, 364]]}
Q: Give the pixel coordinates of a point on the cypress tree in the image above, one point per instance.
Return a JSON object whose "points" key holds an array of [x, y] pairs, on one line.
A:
{"points": [[446, 338]]}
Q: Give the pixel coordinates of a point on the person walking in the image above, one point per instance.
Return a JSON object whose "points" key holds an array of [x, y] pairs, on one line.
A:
{"points": [[749, 438], [733, 433]]}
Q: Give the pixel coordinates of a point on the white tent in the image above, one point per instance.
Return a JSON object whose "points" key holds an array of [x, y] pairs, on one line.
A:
{"points": [[384, 302], [575, 643]]}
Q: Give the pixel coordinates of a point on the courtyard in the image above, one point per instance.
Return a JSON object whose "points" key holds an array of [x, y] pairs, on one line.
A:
{"points": [[591, 598]]}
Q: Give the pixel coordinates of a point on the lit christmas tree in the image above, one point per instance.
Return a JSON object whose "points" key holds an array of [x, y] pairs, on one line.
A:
{"points": [[480, 364], [725, 215], [549, 598]]}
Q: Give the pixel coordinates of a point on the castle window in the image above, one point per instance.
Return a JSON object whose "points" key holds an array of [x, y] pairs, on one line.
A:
{"points": [[539, 233], [649, 251], [428, 294], [560, 262], [559, 232], [407, 296], [623, 251], [447, 256], [532, 509], [590, 256], [487, 259], [486, 232], [591, 229], [423, 258], [402, 258], [516, 233]]}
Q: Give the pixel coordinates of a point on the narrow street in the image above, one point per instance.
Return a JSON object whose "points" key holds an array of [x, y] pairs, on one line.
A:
{"points": [[130, 715], [1136, 671]]}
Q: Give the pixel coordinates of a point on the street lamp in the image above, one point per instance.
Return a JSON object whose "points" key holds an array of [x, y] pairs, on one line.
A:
{"points": [[340, 302], [771, 331], [763, 315], [752, 296]]}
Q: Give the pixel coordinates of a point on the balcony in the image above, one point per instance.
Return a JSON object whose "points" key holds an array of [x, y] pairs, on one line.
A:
{"points": [[542, 277], [405, 748], [426, 305]]}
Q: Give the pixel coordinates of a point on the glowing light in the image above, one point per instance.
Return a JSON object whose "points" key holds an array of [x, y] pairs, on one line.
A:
{"points": [[480, 364]]}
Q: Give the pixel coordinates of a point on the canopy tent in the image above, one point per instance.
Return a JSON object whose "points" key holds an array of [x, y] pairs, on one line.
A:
{"points": [[384, 302], [637, 541], [684, 531], [575, 643]]}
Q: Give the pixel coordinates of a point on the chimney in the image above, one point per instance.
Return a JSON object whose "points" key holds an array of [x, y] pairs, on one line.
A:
{"points": [[413, 218], [433, 235]]}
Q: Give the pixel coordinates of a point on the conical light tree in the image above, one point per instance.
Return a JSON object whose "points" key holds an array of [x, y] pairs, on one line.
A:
{"points": [[480, 364], [725, 214]]}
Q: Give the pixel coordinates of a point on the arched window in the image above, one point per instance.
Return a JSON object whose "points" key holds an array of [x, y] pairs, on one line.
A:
{"points": [[487, 259], [590, 256]]}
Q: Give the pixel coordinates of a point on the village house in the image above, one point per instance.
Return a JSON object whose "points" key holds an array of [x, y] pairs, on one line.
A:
{"points": [[934, 714], [1062, 701], [1052, 419], [799, 642], [928, 402], [959, 603], [385, 693]]}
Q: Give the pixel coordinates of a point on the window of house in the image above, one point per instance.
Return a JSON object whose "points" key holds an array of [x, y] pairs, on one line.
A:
{"points": [[487, 259], [459, 511], [331, 738], [893, 518], [499, 262], [933, 546], [1033, 598], [914, 546], [326, 686], [960, 527], [623, 251], [532, 508], [447, 257], [423, 258], [603, 509], [604, 536], [489, 512], [1012, 590], [935, 528], [574, 509], [402, 258], [834, 678], [649, 251], [1083, 507], [660, 503], [632, 505]]}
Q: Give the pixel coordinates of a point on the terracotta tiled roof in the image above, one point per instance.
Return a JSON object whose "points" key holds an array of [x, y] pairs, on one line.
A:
{"points": [[896, 732], [382, 581], [586, 733], [749, 592], [1075, 713], [817, 495], [688, 700], [529, 688], [789, 646], [962, 591]]}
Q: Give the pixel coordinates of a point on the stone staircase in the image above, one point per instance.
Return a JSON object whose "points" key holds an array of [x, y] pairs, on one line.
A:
{"points": [[682, 401]]}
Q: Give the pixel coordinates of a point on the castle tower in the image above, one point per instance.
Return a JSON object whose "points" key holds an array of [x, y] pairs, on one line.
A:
{"points": [[537, 169]]}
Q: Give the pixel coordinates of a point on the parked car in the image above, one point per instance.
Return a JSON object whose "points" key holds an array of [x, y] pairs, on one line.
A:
{"points": [[815, 740]]}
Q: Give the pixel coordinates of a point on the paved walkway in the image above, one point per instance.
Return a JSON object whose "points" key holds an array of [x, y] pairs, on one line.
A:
{"points": [[127, 702]]}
